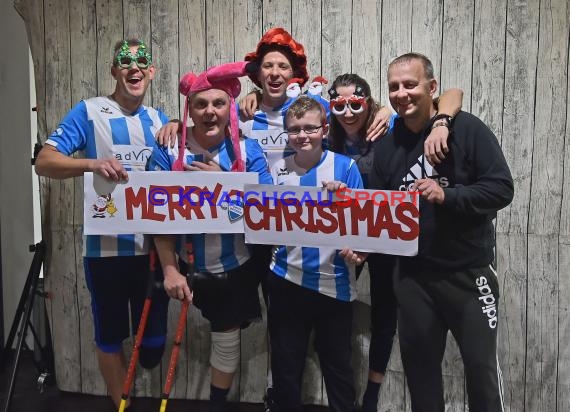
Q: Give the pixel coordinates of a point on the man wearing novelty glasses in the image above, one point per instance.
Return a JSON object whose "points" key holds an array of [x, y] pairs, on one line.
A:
{"points": [[116, 267]]}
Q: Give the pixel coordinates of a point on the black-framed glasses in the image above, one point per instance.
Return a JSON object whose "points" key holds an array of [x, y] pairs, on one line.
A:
{"points": [[309, 130]]}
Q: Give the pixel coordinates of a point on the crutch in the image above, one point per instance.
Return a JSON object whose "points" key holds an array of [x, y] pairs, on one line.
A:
{"points": [[177, 338], [140, 332]]}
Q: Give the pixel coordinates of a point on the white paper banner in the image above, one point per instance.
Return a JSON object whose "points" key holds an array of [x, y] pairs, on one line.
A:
{"points": [[165, 202], [363, 220]]}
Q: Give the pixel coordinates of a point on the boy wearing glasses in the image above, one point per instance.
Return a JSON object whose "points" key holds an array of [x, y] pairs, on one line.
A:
{"points": [[116, 267], [311, 288]]}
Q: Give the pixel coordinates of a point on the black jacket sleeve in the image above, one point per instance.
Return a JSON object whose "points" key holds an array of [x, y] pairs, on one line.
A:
{"points": [[491, 184]]}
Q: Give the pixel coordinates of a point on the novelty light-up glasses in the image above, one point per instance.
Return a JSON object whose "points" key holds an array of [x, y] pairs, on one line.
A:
{"points": [[125, 58], [356, 104]]}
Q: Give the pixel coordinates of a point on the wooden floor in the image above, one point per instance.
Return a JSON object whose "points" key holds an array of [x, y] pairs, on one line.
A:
{"points": [[27, 398]]}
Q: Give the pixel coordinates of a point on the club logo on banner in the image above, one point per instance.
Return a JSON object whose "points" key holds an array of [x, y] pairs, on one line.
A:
{"points": [[234, 208], [364, 220], [165, 202]]}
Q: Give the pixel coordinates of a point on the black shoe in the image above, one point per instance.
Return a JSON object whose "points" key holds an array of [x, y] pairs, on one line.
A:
{"points": [[268, 401], [149, 357]]}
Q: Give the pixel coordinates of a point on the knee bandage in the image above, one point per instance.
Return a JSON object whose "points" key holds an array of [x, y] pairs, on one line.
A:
{"points": [[224, 354]]}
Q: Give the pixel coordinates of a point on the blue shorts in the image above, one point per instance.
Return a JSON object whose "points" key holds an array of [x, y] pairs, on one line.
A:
{"points": [[117, 284]]}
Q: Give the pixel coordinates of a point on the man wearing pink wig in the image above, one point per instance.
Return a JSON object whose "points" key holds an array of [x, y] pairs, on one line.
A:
{"points": [[224, 286]]}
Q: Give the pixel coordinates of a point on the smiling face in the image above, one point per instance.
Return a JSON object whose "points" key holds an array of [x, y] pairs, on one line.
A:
{"points": [[308, 133], [132, 83], [210, 112], [352, 123], [274, 75], [411, 92]]}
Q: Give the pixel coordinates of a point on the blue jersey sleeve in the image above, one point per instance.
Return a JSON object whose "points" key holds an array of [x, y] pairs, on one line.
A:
{"points": [[163, 118], [353, 177], [256, 162], [71, 134], [392, 120]]}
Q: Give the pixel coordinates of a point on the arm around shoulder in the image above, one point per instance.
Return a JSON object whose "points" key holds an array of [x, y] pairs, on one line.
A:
{"points": [[450, 102]]}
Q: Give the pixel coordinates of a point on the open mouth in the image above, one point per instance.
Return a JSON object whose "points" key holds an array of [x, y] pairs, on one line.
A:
{"points": [[134, 80], [274, 85]]}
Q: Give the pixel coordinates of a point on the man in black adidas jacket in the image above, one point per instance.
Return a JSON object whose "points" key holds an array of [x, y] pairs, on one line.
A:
{"points": [[450, 285]]}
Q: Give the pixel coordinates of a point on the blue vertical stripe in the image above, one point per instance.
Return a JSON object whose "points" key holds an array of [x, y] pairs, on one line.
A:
{"points": [[91, 144], [260, 121], [93, 246], [309, 179], [284, 113], [224, 159], [311, 273], [341, 279], [280, 259], [119, 131], [125, 245], [228, 258], [146, 123]]}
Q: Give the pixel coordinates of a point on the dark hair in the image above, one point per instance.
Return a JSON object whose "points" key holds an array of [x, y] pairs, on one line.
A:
{"points": [[408, 57], [337, 134], [304, 104]]}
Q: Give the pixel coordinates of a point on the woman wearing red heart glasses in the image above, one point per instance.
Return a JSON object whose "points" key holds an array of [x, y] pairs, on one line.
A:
{"points": [[353, 109]]}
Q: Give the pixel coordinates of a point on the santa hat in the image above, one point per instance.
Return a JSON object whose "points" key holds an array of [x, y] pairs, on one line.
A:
{"points": [[223, 77], [320, 79], [294, 87], [316, 86], [279, 39]]}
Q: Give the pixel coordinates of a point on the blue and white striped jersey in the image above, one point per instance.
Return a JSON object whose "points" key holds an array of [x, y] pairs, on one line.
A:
{"points": [[103, 129], [320, 269], [268, 128], [216, 253]]}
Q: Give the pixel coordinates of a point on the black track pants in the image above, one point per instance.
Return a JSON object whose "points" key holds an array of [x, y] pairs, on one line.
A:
{"points": [[382, 314], [465, 303]]}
